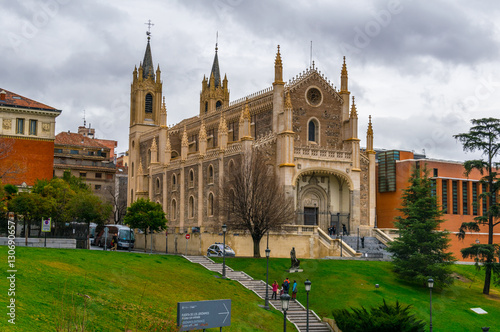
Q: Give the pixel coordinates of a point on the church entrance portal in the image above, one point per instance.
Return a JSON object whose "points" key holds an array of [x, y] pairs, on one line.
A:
{"points": [[311, 216]]}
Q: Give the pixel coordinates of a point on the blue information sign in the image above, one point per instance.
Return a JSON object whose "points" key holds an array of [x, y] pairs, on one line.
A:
{"points": [[203, 314]]}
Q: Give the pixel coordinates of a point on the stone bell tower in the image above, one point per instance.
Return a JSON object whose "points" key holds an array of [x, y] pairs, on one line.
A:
{"points": [[146, 92], [214, 93]]}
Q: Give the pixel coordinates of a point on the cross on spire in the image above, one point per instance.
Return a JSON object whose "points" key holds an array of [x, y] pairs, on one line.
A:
{"points": [[149, 24]]}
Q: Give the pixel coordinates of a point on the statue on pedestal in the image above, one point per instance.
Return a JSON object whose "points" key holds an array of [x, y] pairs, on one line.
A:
{"points": [[295, 261]]}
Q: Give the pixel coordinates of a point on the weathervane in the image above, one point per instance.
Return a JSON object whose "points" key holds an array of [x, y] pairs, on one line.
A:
{"points": [[149, 24]]}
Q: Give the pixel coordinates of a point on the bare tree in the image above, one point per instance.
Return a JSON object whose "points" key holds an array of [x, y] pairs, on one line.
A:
{"points": [[254, 200]]}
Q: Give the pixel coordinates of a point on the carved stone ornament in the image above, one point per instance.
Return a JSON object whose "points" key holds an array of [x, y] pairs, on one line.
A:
{"points": [[46, 127], [7, 124]]}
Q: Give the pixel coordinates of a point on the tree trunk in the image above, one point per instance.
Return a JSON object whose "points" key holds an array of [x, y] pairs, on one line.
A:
{"points": [[487, 280], [256, 248], [145, 240]]}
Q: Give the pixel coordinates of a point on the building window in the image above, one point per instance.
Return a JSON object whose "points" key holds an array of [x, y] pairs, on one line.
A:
{"points": [[218, 104], [174, 180], [98, 175], [191, 178], [444, 196], [20, 126], [455, 196], [149, 103], [206, 106], [484, 200], [83, 174], [132, 168], [158, 185], [387, 171], [474, 198], [313, 131], [210, 174], [433, 187], [210, 204], [191, 207], [173, 210], [465, 202], [73, 151], [33, 126], [435, 172], [58, 150], [97, 187]]}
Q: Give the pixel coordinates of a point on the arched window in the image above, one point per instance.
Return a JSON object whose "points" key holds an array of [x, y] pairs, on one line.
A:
{"points": [[132, 166], [210, 174], [173, 209], [191, 207], [218, 104], [206, 106], [148, 107], [158, 185], [313, 131], [191, 178], [174, 180], [210, 204]]}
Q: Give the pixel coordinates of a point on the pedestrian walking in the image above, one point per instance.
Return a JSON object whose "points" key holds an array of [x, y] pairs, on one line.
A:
{"points": [[114, 242], [294, 290], [275, 290], [286, 286]]}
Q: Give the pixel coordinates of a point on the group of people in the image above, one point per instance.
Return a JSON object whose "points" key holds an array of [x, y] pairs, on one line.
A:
{"points": [[285, 288], [332, 230]]}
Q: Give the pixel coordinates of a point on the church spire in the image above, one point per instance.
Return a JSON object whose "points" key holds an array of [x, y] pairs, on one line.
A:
{"points": [[215, 69], [278, 68], [343, 78], [147, 63]]}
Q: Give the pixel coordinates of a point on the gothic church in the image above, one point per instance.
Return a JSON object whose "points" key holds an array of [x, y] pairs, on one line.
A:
{"points": [[308, 128]]}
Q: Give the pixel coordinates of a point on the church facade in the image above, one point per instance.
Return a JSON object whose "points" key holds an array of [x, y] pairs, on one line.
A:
{"points": [[307, 128]]}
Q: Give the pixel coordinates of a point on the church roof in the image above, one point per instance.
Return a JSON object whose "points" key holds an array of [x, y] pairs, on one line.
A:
{"points": [[215, 69], [147, 63], [15, 100]]}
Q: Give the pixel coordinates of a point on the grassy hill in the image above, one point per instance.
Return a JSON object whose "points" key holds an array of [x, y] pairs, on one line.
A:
{"points": [[118, 291], [342, 284]]}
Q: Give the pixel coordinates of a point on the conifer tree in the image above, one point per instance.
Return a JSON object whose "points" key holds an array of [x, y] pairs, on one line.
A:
{"points": [[420, 251], [484, 137]]}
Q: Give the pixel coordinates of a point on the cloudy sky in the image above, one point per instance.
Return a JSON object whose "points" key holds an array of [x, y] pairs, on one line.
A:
{"points": [[422, 69]]}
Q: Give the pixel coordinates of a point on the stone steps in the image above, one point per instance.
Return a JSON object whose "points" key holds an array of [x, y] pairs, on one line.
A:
{"points": [[296, 314]]}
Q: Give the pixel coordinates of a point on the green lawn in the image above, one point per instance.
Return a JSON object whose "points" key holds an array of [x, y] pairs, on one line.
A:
{"points": [[342, 283], [127, 291]]}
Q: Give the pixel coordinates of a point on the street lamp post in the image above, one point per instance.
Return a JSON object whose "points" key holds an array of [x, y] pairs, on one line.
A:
{"points": [[285, 300], [430, 283], [224, 229], [266, 303], [307, 283]]}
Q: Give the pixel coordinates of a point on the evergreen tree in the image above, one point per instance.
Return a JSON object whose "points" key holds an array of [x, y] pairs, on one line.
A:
{"points": [[420, 250], [484, 136]]}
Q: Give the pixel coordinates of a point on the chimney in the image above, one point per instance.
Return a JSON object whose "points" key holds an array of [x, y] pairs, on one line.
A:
{"points": [[2, 95]]}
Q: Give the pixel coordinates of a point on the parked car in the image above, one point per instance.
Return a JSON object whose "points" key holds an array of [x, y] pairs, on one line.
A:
{"points": [[216, 249], [125, 236]]}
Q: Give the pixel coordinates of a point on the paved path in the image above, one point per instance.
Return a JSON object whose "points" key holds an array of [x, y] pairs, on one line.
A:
{"points": [[297, 313]]}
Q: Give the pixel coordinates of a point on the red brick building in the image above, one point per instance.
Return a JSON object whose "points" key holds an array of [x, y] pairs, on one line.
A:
{"points": [[457, 193], [26, 139]]}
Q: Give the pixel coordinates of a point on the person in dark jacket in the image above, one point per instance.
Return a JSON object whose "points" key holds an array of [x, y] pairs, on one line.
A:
{"points": [[286, 286]]}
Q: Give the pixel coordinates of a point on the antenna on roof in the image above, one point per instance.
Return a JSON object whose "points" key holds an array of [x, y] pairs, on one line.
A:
{"points": [[216, 40]]}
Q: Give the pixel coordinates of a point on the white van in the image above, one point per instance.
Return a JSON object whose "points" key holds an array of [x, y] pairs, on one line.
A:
{"points": [[125, 236]]}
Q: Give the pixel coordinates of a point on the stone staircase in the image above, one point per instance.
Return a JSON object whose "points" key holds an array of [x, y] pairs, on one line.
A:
{"points": [[296, 314], [373, 248]]}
